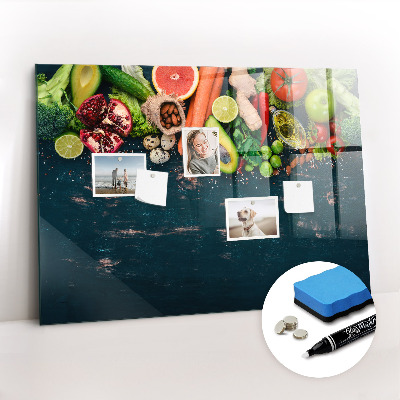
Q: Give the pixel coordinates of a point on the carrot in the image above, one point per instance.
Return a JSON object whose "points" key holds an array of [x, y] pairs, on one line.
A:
{"points": [[187, 123], [197, 109], [191, 106], [202, 95], [189, 116], [216, 90], [180, 149], [190, 112]]}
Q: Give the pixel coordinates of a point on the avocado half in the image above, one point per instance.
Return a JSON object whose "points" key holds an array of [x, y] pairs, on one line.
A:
{"points": [[85, 80], [229, 156]]}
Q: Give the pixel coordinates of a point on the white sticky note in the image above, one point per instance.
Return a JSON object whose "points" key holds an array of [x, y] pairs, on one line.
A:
{"points": [[151, 187], [298, 197]]}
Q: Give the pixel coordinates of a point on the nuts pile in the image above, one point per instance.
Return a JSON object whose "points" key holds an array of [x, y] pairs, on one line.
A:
{"points": [[169, 115], [165, 112]]}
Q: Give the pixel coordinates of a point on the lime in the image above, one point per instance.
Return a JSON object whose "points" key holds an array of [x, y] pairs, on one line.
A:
{"points": [[225, 109], [248, 167], [69, 145], [266, 152], [275, 161], [266, 169], [277, 147]]}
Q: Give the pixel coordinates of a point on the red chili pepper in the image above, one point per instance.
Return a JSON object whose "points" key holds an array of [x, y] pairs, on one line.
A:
{"points": [[241, 164], [254, 102], [335, 145], [334, 127], [263, 103]]}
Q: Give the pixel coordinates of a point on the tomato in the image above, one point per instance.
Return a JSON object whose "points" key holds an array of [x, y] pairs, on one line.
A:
{"points": [[320, 134], [335, 145], [289, 84], [334, 127]]}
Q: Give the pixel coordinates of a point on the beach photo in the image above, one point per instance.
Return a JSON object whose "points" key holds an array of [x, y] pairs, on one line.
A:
{"points": [[115, 174], [200, 152], [252, 218]]}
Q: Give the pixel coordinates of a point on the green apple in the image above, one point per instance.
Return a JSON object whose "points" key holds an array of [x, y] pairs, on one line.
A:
{"points": [[320, 105]]}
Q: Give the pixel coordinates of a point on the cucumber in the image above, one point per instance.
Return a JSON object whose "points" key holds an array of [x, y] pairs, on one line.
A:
{"points": [[125, 82]]}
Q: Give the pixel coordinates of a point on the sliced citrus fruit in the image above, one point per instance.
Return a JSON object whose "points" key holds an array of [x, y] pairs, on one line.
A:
{"points": [[69, 145], [182, 81], [225, 109]]}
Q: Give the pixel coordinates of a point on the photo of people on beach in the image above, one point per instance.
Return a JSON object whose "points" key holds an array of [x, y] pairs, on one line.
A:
{"points": [[200, 152], [115, 175], [252, 218]]}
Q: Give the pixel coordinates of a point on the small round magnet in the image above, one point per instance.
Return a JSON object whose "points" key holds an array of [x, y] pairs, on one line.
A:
{"points": [[300, 333], [280, 327], [291, 322]]}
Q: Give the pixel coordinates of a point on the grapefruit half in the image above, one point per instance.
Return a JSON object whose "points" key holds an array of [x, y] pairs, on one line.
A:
{"points": [[182, 81]]}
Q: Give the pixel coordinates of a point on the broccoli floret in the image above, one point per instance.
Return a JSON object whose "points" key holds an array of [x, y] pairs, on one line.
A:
{"points": [[52, 120], [53, 110], [351, 131], [76, 125]]}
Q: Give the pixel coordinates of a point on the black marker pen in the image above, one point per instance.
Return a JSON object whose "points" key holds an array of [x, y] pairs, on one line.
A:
{"points": [[343, 337]]}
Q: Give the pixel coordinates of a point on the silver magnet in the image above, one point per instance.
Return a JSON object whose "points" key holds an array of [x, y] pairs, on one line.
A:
{"points": [[280, 327], [300, 333], [291, 322]]}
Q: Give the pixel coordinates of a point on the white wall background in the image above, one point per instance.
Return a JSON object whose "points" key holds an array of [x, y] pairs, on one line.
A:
{"points": [[209, 356]]}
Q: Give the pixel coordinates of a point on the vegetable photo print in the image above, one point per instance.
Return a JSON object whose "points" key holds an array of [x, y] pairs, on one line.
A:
{"points": [[114, 257]]}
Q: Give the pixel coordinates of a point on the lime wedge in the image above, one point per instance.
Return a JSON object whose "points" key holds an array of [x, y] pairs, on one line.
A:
{"points": [[69, 145], [225, 109]]}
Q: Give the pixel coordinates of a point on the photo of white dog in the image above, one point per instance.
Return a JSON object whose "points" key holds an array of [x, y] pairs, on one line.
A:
{"points": [[252, 218]]}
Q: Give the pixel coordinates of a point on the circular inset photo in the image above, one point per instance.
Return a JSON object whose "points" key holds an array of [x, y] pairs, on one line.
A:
{"points": [[318, 319]]}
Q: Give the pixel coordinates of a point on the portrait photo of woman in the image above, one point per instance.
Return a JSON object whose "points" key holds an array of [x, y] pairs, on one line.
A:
{"points": [[200, 152]]}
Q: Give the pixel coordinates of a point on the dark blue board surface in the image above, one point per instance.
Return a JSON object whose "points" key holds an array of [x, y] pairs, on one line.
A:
{"points": [[116, 258]]}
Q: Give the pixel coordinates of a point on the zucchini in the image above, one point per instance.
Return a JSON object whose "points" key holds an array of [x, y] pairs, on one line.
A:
{"points": [[125, 82]]}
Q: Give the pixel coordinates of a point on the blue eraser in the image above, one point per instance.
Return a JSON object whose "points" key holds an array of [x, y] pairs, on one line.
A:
{"points": [[332, 294]]}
